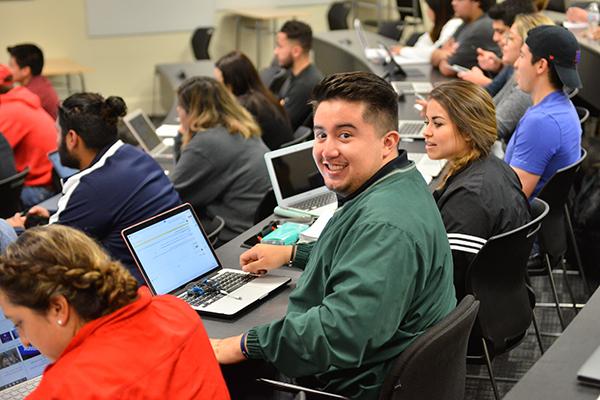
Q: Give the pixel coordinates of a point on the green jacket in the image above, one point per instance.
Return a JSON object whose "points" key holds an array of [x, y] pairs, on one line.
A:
{"points": [[379, 275]]}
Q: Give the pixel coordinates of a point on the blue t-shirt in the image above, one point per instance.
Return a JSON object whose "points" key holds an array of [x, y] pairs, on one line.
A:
{"points": [[547, 138]]}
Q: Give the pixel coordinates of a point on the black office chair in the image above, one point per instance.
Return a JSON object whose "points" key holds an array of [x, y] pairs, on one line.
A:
{"points": [[557, 230], [497, 277], [432, 367], [409, 8], [215, 227], [302, 134], [337, 16], [265, 207], [200, 42], [391, 29], [583, 114], [273, 76], [10, 194]]}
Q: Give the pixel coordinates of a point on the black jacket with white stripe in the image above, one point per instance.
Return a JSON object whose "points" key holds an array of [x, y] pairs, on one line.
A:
{"points": [[480, 201]]}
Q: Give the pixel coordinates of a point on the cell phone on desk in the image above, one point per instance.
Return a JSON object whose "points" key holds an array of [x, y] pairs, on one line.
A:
{"points": [[459, 68]]}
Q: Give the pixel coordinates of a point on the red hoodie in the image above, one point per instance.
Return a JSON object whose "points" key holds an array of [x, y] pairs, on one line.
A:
{"points": [[31, 133]]}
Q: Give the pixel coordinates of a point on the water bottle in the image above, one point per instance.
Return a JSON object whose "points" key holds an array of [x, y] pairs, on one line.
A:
{"points": [[593, 17]]}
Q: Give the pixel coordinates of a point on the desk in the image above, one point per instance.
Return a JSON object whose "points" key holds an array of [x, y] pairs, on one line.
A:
{"points": [[554, 376], [65, 67], [260, 15], [172, 75]]}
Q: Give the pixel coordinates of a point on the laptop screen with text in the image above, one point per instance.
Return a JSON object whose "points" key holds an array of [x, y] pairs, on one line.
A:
{"points": [[172, 250]]}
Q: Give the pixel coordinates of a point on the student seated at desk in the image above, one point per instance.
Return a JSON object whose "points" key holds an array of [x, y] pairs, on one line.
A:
{"points": [[292, 50], [475, 32], [222, 169], [444, 26], [118, 185], [379, 275], [238, 74], [548, 137], [105, 338], [481, 195], [31, 134], [26, 63]]}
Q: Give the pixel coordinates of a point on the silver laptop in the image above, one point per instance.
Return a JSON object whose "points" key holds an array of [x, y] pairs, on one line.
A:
{"points": [[408, 87], [411, 129], [175, 257], [589, 373], [297, 182], [375, 54], [21, 367], [144, 132]]}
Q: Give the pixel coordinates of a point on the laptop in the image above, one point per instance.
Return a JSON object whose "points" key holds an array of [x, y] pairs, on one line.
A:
{"points": [[428, 168], [21, 367], [175, 256], [297, 182], [62, 171], [408, 87], [144, 132], [589, 373], [411, 129]]}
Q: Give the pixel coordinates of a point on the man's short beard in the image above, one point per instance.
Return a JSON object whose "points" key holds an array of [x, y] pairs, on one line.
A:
{"points": [[66, 158]]}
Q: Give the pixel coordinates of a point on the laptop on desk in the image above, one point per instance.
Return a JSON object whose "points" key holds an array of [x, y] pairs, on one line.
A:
{"points": [[411, 129], [21, 367], [175, 257], [297, 182], [144, 132], [589, 373]]}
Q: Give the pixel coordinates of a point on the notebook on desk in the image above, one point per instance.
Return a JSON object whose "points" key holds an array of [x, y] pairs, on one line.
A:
{"points": [[144, 132], [175, 256], [21, 367], [297, 182]]}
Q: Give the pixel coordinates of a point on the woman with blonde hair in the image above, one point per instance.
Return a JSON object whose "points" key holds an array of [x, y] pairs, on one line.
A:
{"points": [[105, 338], [480, 196], [221, 170]]}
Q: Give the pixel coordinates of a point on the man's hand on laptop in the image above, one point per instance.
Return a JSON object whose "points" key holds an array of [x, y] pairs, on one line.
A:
{"points": [[264, 257]]}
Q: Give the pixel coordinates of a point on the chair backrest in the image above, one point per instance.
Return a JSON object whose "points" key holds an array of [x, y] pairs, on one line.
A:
{"points": [[337, 16], [10, 194], [433, 366], [391, 29], [409, 8], [302, 134], [200, 42], [583, 114], [497, 278], [555, 192], [265, 207]]}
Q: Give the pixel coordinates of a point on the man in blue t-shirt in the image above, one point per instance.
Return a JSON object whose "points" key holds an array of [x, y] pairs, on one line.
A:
{"points": [[548, 137]]}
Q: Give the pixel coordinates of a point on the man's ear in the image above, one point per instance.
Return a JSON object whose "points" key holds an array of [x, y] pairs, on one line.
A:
{"points": [[72, 139], [542, 66], [390, 142]]}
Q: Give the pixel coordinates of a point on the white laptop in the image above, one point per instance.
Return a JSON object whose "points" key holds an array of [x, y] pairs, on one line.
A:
{"points": [[21, 367], [408, 87], [428, 168], [144, 131], [175, 257], [297, 182], [411, 129]]}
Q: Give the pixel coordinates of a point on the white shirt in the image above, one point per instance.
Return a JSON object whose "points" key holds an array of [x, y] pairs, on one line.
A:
{"points": [[424, 45]]}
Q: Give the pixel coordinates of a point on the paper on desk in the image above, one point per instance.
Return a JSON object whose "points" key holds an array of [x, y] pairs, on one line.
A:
{"points": [[313, 233], [167, 130], [377, 55]]}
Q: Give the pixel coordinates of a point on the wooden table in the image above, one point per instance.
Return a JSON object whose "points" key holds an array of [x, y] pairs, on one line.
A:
{"points": [[66, 67]]}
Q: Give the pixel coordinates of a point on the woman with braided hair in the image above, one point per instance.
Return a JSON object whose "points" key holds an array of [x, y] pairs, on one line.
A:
{"points": [[106, 339]]}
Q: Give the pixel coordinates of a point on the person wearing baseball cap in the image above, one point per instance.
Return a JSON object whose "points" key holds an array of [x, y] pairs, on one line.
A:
{"points": [[548, 137]]}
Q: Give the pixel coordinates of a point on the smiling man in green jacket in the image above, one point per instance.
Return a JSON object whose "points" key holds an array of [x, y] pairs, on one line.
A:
{"points": [[381, 272]]}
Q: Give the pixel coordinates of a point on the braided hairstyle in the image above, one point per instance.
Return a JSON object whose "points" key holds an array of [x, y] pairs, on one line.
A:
{"points": [[53, 260]]}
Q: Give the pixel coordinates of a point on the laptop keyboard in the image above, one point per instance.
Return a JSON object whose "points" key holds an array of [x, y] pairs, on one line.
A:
{"points": [[20, 390], [216, 288], [315, 202], [411, 129]]}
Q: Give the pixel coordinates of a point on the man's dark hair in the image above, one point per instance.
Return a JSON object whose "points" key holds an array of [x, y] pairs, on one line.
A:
{"points": [[554, 78], [92, 117], [28, 55], [486, 4], [508, 10], [300, 32], [380, 99]]}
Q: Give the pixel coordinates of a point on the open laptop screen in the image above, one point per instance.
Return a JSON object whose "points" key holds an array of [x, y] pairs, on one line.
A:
{"points": [[171, 249], [17, 362], [297, 173], [145, 131]]}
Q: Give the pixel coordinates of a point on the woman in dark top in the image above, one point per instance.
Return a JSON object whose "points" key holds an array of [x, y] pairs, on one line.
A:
{"points": [[480, 196], [238, 74]]}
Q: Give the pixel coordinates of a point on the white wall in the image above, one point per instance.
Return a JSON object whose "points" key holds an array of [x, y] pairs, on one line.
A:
{"points": [[124, 65]]}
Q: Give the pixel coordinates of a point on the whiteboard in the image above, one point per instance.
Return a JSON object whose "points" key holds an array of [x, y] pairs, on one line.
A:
{"points": [[127, 17]]}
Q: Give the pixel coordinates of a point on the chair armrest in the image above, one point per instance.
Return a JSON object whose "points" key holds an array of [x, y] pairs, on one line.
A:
{"points": [[292, 388]]}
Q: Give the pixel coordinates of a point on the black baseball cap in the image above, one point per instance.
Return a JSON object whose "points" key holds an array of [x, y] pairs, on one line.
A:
{"points": [[559, 46]]}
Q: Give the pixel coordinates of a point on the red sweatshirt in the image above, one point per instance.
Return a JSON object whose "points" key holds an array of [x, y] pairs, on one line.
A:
{"points": [[31, 133], [154, 348]]}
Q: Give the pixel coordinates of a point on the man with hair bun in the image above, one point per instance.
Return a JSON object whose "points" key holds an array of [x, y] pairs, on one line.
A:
{"points": [[118, 185], [105, 338]]}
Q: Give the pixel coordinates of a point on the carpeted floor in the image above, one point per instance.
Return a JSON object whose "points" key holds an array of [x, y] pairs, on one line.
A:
{"points": [[515, 363]]}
